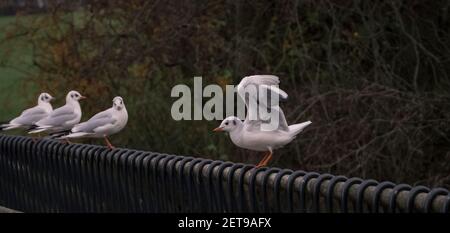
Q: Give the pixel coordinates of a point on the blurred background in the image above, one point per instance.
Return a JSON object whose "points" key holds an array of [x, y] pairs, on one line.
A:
{"points": [[372, 76]]}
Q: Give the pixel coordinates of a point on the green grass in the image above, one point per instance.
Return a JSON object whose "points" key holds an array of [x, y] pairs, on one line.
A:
{"points": [[15, 95], [16, 92]]}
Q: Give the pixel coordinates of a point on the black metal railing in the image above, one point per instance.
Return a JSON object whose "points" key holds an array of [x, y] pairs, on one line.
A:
{"points": [[49, 176]]}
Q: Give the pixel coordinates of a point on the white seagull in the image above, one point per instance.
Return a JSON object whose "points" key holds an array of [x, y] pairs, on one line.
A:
{"points": [[32, 115], [63, 118], [250, 133], [103, 124]]}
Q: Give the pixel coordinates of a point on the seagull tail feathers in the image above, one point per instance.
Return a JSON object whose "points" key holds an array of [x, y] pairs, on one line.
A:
{"points": [[297, 128], [4, 127], [74, 135], [59, 134], [37, 129]]}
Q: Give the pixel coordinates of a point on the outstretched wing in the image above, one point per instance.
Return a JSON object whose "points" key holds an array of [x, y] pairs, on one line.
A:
{"points": [[261, 96], [260, 85]]}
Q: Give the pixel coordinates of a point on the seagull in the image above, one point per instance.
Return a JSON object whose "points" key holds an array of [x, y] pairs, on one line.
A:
{"points": [[63, 118], [250, 134], [103, 124], [32, 115]]}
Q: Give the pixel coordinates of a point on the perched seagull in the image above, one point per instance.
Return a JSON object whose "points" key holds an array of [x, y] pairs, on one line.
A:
{"points": [[103, 124], [250, 134], [32, 115], [63, 118]]}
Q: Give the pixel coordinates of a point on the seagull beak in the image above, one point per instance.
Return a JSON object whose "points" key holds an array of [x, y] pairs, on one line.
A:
{"points": [[218, 129], [52, 98], [83, 97]]}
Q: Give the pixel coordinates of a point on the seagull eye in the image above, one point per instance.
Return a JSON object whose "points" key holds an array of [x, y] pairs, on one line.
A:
{"points": [[234, 122], [226, 123]]}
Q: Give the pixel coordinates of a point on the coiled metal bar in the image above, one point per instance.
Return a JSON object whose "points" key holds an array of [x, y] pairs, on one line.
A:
{"points": [[277, 187], [395, 191], [221, 199], [433, 193], [241, 185], [330, 191], [50, 176], [412, 196], [317, 194], [378, 191], [265, 199], [191, 191], [345, 189], [230, 185], [302, 190], [290, 188], [359, 207], [252, 189]]}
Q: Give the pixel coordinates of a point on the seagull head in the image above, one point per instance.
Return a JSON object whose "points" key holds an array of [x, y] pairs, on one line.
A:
{"points": [[118, 103], [45, 98], [74, 96], [229, 124]]}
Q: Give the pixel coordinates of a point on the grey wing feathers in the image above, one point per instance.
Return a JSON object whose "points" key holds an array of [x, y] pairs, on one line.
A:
{"points": [[28, 119], [262, 98], [106, 113], [255, 125], [37, 110], [268, 84], [261, 79], [56, 120], [91, 125], [64, 110], [30, 116]]}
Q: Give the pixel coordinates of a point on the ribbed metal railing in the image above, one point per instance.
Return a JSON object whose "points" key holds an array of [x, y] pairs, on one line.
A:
{"points": [[49, 176]]}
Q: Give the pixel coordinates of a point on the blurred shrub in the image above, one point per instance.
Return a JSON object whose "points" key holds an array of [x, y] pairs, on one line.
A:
{"points": [[373, 76]]}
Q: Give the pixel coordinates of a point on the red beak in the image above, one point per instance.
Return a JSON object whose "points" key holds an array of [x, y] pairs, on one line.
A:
{"points": [[218, 129]]}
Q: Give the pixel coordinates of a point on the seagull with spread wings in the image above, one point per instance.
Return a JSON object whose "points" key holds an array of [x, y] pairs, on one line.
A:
{"points": [[251, 133]]}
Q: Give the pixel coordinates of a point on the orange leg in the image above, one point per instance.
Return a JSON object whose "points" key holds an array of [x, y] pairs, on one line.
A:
{"points": [[110, 146], [265, 160], [268, 159], [262, 160]]}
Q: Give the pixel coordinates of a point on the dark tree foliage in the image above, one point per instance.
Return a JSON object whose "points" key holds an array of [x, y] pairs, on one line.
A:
{"points": [[372, 76]]}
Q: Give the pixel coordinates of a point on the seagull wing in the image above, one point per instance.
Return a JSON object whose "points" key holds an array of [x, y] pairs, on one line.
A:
{"points": [[36, 110], [92, 125], [56, 120], [30, 116], [106, 113], [265, 85], [251, 89], [58, 117], [64, 110]]}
